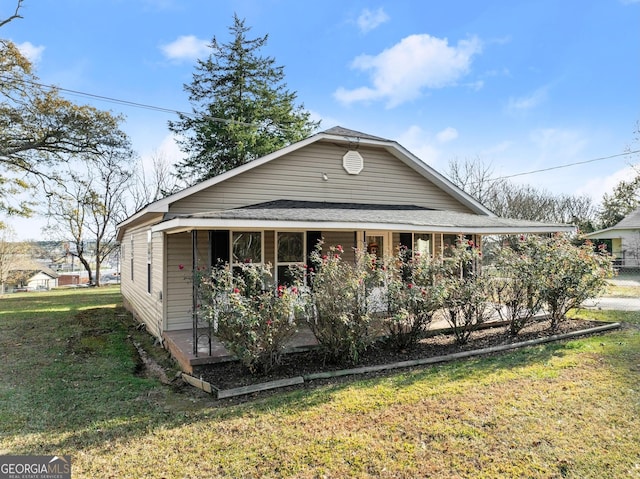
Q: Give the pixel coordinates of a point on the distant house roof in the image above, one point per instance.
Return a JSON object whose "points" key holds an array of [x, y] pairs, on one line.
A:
{"points": [[25, 275], [629, 222], [28, 265]]}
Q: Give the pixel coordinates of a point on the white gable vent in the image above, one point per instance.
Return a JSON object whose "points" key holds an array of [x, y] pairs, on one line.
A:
{"points": [[352, 162]]}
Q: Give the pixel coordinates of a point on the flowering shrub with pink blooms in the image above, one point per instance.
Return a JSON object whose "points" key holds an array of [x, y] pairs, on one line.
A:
{"points": [[339, 314], [466, 298], [569, 274], [537, 274], [516, 284], [253, 319], [413, 291]]}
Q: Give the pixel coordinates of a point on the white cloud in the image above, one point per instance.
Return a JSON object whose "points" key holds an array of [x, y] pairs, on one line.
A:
{"points": [[30, 51], [599, 185], [168, 150], [186, 47], [496, 149], [528, 102], [476, 85], [419, 143], [369, 20], [326, 121], [560, 145], [400, 73], [446, 135]]}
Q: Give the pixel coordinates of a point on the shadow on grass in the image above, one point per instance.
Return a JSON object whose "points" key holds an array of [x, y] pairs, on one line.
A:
{"points": [[87, 393], [55, 303]]}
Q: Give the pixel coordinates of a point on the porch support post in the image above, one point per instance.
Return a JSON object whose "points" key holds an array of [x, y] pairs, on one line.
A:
{"points": [[194, 290]]}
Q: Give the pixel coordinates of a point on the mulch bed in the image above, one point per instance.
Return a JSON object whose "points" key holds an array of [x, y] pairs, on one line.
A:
{"points": [[232, 374]]}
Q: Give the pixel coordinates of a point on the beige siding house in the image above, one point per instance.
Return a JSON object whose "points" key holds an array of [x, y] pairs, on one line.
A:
{"points": [[340, 185]]}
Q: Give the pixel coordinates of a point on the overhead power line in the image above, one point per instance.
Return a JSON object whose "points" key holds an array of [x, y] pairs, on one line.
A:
{"points": [[566, 165], [226, 120], [131, 103]]}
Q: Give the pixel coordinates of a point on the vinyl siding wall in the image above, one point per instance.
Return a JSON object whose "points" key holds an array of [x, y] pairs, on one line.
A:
{"points": [[145, 305], [298, 176], [179, 302], [175, 294]]}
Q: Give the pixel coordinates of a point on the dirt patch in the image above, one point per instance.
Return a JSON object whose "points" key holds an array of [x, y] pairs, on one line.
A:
{"points": [[232, 374], [148, 367]]}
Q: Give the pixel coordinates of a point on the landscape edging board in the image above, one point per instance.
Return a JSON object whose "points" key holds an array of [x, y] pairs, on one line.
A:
{"points": [[240, 391]]}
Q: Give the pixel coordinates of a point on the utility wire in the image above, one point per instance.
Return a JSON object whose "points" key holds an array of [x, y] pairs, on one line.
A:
{"points": [[566, 165], [225, 120], [131, 103]]}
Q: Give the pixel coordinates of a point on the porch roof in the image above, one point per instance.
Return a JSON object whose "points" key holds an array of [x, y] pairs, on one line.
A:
{"points": [[306, 215]]}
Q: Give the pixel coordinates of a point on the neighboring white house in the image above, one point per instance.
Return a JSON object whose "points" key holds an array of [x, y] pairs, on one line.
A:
{"points": [[624, 238], [36, 279]]}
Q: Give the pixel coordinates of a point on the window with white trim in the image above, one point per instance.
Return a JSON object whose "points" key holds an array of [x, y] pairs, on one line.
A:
{"points": [[131, 255], [149, 260], [423, 244], [246, 247], [290, 252]]}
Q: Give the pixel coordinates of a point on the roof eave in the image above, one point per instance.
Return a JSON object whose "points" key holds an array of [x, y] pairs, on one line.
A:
{"points": [[178, 225]]}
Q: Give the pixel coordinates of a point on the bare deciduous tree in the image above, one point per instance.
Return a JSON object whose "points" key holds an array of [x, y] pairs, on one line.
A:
{"points": [[152, 183], [86, 211], [509, 200], [10, 252], [475, 177]]}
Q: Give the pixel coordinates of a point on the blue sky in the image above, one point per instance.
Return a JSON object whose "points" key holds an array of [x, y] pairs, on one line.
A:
{"points": [[522, 85]]}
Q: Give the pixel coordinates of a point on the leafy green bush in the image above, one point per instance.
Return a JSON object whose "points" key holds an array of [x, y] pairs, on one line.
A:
{"points": [[570, 274], [252, 319], [466, 296], [340, 311], [516, 284], [413, 290]]}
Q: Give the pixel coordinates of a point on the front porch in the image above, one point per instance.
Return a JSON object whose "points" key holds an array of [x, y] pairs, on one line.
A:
{"points": [[284, 233], [180, 344]]}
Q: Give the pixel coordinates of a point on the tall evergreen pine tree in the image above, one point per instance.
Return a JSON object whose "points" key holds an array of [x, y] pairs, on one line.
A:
{"points": [[241, 108]]}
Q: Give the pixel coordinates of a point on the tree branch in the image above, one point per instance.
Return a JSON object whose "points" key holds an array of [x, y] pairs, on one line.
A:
{"points": [[12, 17]]}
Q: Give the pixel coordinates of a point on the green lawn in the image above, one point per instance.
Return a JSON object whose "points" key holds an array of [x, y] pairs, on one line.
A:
{"points": [[630, 287], [69, 384]]}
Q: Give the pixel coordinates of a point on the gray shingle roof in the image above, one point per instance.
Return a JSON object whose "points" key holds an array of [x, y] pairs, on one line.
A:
{"points": [[355, 213], [340, 131], [631, 221]]}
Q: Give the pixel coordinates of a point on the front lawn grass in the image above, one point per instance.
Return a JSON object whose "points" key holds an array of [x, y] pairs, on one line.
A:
{"points": [[70, 384], [628, 289]]}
